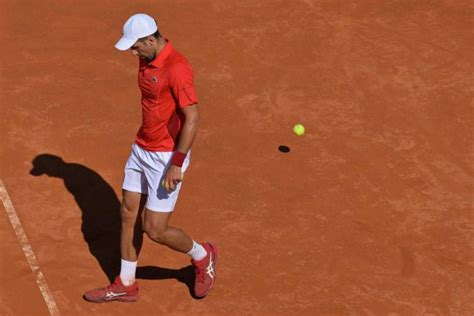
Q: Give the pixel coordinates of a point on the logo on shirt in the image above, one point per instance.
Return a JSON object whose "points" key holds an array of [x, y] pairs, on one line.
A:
{"points": [[154, 79]]}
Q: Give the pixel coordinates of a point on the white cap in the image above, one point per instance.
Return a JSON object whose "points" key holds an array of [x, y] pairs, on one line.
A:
{"points": [[137, 26]]}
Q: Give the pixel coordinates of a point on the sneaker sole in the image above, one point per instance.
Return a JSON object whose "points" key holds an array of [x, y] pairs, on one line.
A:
{"points": [[129, 299]]}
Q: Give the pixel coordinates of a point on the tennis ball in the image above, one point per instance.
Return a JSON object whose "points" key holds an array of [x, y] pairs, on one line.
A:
{"points": [[163, 183], [298, 129]]}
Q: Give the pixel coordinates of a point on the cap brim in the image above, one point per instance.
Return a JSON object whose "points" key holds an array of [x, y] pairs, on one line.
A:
{"points": [[124, 43]]}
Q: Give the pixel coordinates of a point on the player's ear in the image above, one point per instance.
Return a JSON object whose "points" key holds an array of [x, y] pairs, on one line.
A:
{"points": [[150, 40]]}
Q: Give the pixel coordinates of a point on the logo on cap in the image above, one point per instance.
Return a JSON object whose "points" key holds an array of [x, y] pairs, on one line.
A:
{"points": [[154, 79]]}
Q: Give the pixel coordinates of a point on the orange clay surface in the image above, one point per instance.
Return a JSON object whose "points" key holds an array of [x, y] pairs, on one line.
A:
{"points": [[370, 213]]}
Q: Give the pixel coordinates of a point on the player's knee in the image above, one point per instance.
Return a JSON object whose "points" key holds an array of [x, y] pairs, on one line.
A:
{"points": [[156, 233], [127, 215]]}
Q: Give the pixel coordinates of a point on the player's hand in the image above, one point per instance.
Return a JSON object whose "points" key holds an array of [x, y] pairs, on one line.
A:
{"points": [[172, 178]]}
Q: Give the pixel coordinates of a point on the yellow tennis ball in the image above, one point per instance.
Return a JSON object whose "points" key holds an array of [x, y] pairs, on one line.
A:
{"points": [[298, 129], [163, 183]]}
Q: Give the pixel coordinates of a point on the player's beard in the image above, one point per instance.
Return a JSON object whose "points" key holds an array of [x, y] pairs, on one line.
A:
{"points": [[151, 57]]}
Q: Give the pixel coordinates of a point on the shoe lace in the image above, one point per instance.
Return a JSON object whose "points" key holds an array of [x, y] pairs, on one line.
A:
{"points": [[111, 286]]}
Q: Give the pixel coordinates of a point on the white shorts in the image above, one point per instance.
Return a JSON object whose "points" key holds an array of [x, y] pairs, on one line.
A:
{"points": [[144, 172]]}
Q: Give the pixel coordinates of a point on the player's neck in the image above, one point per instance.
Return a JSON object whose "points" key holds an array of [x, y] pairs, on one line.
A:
{"points": [[160, 44]]}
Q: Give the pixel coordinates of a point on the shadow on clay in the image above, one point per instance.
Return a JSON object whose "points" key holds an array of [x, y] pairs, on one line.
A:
{"points": [[100, 209], [101, 221], [184, 275], [284, 149], [98, 203]]}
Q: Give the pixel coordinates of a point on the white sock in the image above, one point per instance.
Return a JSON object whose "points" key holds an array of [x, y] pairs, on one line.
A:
{"points": [[127, 272], [197, 252]]}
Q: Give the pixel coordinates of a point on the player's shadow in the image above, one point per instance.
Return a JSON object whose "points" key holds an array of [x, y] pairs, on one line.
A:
{"points": [[184, 275], [101, 222], [99, 205]]}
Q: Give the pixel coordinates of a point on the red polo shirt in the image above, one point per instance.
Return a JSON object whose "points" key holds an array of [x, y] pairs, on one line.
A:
{"points": [[167, 86]]}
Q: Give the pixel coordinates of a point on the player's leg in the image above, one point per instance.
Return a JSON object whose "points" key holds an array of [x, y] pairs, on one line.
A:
{"points": [[130, 241], [160, 204], [131, 207], [134, 190], [124, 287], [157, 229], [203, 256]]}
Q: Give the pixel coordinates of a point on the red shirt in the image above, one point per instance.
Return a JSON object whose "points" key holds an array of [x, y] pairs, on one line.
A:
{"points": [[167, 86]]}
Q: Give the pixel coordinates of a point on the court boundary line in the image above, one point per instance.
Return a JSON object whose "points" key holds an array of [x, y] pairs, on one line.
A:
{"points": [[27, 250]]}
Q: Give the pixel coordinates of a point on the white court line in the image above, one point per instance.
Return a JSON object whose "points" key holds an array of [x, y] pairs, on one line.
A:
{"points": [[25, 245]]}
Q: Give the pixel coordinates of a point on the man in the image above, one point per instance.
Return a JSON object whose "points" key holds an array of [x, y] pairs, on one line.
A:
{"points": [[158, 159]]}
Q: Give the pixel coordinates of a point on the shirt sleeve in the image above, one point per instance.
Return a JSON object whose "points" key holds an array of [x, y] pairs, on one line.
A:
{"points": [[181, 80]]}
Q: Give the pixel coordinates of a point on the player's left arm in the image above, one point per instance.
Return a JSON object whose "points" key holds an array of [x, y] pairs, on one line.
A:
{"points": [[186, 139], [190, 128]]}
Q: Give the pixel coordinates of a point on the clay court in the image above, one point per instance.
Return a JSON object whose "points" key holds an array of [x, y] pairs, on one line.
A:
{"points": [[369, 213]]}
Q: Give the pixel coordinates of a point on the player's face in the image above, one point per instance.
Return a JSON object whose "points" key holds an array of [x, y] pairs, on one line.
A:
{"points": [[144, 50]]}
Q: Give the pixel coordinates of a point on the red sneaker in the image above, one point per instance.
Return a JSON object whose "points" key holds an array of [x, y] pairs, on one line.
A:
{"points": [[114, 292], [205, 271]]}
